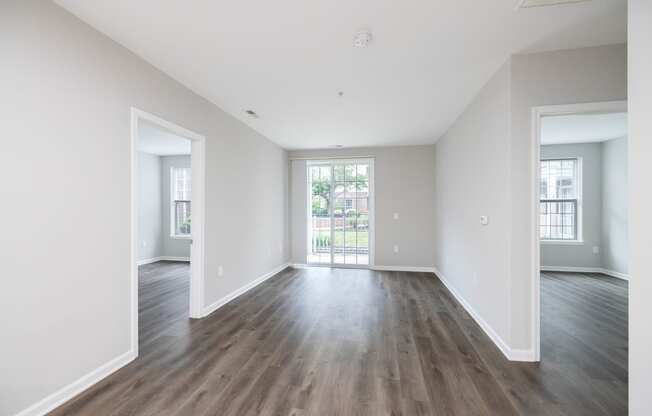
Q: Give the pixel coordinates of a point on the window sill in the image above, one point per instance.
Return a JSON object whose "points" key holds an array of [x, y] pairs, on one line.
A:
{"points": [[562, 242], [181, 237]]}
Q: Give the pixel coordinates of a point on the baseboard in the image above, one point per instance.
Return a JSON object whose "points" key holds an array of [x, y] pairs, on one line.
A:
{"points": [[161, 258], [56, 399], [380, 268], [228, 298], [569, 269], [404, 269], [509, 353]]}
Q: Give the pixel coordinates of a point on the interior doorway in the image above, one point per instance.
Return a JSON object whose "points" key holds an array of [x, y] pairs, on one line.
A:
{"points": [[340, 212], [167, 224], [580, 250]]}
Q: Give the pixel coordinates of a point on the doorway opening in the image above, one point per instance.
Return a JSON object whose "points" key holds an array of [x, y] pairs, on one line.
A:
{"points": [[580, 250], [167, 226], [340, 212]]}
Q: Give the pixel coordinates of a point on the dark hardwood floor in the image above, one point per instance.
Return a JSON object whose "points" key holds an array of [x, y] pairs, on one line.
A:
{"points": [[357, 342]]}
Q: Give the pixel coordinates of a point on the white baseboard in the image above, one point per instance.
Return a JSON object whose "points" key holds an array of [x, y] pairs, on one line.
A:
{"points": [[228, 298], [509, 353], [404, 269], [380, 268], [161, 258], [61, 396], [608, 272]]}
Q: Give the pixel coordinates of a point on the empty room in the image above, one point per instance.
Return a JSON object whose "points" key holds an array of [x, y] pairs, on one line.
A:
{"points": [[326, 208]]}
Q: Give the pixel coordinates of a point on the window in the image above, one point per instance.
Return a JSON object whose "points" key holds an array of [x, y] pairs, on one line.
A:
{"points": [[181, 201], [560, 196]]}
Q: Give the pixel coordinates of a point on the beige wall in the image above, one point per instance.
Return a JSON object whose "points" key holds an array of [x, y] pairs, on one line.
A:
{"points": [[640, 206], [526, 81], [404, 184], [67, 91]]}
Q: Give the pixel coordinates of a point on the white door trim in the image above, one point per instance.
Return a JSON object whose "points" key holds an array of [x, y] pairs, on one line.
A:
{"points": [[537, 114], [198, 261]]}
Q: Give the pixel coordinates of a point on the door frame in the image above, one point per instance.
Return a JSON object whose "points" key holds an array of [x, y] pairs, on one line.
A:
{"points": [[601, 107], [372, 209], [197, 252]]}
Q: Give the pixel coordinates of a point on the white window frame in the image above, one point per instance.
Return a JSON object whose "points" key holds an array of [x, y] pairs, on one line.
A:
{"points": [[173, 213], [579, 239], [372, 209]]}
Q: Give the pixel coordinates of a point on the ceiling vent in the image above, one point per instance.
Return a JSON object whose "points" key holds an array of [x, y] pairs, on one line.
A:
{"points": [[540, 3], [362, 38]]}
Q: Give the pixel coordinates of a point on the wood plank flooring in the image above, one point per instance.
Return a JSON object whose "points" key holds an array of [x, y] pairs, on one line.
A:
{"points": [[357, 342]]}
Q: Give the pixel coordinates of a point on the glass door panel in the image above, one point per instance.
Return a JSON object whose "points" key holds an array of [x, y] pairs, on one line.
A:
{"points": [[340, 204], [320, 222]]}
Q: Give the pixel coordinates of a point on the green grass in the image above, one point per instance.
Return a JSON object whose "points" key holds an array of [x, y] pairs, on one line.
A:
{"points": [[339, 236]]}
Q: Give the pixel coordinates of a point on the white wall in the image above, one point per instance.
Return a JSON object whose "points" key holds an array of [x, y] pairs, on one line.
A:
{"points": [[67, 91], [171, 247], [563, 255], [615, 218], [640, 206], [491, 143], [150, 214], [472, 179], [404, 184]]}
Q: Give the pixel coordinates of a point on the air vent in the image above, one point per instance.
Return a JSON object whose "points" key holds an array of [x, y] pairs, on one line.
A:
{"points": [[540, 3]]}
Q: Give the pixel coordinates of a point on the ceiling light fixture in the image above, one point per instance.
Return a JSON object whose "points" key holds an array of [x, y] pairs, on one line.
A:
{"points": [[362, 38]]}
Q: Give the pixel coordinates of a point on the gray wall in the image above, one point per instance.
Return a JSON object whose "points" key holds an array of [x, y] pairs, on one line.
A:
{"points": [[472, 179], [150, 213], [154, 207], [615, 223], [554, 254], [491, 267], [67, 91], [172, 247], [404, 183], [640, 206]]}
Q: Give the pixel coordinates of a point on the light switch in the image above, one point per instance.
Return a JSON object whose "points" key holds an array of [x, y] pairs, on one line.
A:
{"points": [[395, 248], [220, 271], [396, 215], [484, 220]]}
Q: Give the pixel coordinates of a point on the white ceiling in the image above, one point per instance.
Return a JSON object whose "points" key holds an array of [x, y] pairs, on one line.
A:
{"points": [[583, 128], [288, 59], [154, 140]]}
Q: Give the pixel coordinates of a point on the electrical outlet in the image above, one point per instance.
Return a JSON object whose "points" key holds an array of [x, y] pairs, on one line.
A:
{"points": [[395, 248], [484, 220], [220, 271]]}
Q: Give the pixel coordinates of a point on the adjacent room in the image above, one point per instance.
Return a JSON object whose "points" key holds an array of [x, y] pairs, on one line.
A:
{"points": [[433, 207], [164, 234], [584, 256]]}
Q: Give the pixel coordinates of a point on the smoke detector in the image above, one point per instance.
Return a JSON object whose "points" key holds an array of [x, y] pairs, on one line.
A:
{"points": [[362, 38], [524, 4]]}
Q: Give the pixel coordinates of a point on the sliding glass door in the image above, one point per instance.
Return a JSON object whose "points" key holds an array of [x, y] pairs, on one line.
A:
{"points": [[340, 212]]}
